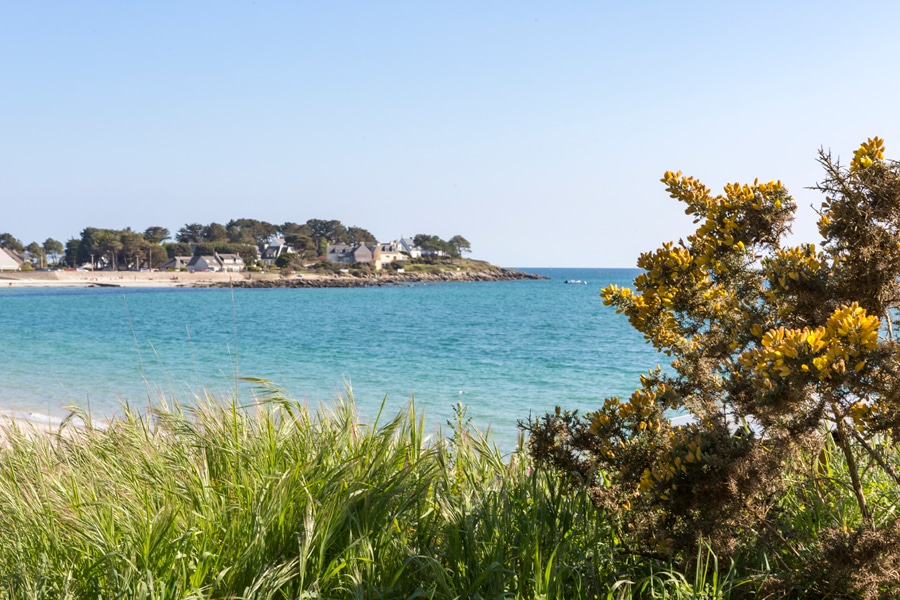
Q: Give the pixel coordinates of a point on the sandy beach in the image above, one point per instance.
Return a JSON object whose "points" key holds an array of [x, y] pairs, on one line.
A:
{"points": [[130, 279]]}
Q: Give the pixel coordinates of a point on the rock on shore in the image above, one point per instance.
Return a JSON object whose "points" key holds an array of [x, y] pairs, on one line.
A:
{"points": [[347, 281]]}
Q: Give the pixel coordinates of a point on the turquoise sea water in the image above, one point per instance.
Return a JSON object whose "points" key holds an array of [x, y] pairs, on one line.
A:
{"points": [[505, 349]]}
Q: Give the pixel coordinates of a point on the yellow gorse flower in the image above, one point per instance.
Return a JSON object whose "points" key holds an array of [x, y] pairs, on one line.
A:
{"points": [[848, 335], [868, 152]]}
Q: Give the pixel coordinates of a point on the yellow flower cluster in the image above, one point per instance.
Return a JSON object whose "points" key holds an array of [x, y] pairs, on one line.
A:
{"points": [[672, 282], [867, 153], [680, 280], [619, 424], [726, 219], [670, 276], [825, 351], [865, 415], [661, 479], [665, 272], [791, 265], [604, 423], [688, 190], [642, 410], [641, 413], [601, 418]]}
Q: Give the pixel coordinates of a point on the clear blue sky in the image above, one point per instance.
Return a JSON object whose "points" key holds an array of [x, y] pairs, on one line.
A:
{"points": [[537, 130]]}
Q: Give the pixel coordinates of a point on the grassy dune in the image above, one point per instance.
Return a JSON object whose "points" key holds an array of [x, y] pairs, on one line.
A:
{"points": [[276, 501]]}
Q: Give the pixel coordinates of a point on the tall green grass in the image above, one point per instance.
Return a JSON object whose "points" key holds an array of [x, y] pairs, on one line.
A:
{"points": [[276, 500], [279, 501]]}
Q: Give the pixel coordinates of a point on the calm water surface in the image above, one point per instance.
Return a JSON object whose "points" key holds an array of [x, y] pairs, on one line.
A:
{"points": [[505, 349]]}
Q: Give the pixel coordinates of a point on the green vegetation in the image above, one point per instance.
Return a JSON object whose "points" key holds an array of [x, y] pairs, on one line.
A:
{"points": [[436, 248], [35, 255], [273, 501], [439, 266], [786, 358]]}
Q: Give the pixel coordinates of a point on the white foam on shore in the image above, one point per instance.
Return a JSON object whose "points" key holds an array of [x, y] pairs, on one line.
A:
{"points": [[41, 421]]}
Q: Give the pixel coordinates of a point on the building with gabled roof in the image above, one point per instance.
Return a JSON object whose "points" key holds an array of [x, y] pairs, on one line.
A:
{"points": [[270, 252], [377, 254], [409, 246], [217, 263], [10, 261], [176, 263]]}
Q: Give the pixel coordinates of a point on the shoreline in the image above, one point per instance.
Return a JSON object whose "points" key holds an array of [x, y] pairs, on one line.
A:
{"points": [[159, 279]]}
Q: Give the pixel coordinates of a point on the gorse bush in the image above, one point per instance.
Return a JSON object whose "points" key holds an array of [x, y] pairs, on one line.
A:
{"points": [[786, 358]]}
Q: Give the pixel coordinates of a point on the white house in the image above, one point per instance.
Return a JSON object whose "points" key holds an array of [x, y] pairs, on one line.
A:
{"points": [[409, 246], [9, 260], [270, 253], [231, 263], [227, 263]]}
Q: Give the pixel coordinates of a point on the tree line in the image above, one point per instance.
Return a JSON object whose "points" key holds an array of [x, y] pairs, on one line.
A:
{"points": [[126, 249]]}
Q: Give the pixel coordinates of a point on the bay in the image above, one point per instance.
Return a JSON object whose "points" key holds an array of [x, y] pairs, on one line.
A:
{"points": [[505, 350]]}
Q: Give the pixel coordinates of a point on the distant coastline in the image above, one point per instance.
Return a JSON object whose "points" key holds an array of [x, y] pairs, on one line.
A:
{"points": [[146, 279]]}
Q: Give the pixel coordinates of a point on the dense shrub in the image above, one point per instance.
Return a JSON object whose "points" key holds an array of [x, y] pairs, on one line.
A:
{"points": [[786, 359]]}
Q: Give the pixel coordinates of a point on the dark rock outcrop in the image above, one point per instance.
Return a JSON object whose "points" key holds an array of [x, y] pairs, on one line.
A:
{"points": [[382, 279]]}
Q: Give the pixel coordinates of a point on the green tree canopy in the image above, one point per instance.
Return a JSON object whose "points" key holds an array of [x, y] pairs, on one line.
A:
{"points": [[35, 254], [250, 231], [106, 246], [303, 245], [358, 235], [133, 249], [433, 246], [174, 249], [156, 234], [290, 228], [460, 243], [73, 245], [9, 242], [215, 232], [190, 233], [326, 232], [53, 249]]}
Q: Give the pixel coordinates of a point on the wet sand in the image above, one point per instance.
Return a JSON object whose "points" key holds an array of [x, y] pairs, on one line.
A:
{"points": [[132, 279]]}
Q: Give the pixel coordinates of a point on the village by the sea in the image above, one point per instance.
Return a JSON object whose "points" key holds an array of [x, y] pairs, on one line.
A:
{"points": [[504, 349]]}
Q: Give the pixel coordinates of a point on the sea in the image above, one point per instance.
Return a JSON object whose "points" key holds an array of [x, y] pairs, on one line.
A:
{"points": [[506, 351]]}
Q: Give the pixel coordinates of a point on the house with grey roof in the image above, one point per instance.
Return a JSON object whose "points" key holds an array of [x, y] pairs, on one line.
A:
{"points": [[10, 261], [270, 253], [364, 253], [409, 246], [217, 263], [347, 254], [377, 254], [176, 263], [339, 253], [231, 263]]}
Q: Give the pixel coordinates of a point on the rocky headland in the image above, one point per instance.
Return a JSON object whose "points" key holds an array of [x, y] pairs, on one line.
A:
{"points": [[367, 280]]}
